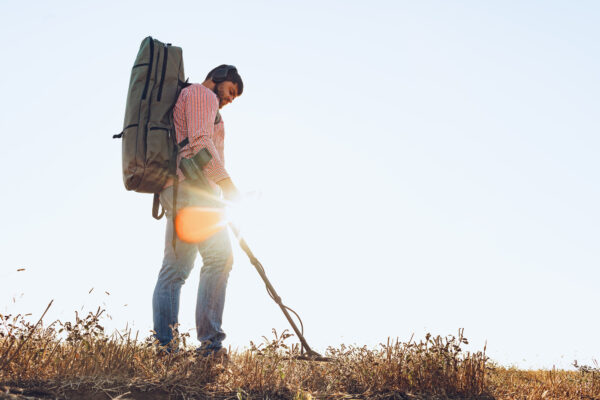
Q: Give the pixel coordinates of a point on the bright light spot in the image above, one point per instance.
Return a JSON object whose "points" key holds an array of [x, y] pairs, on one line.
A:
{"points": [[238, 213], [196, 224]]}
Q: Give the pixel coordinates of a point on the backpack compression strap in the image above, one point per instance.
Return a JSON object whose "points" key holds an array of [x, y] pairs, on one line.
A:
{"points": [[156, 206]]}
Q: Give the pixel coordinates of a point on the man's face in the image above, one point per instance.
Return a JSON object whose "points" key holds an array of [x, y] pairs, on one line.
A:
{"points": [[226, 92]]}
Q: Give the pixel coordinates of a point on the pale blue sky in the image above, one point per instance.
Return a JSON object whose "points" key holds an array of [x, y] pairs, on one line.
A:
{"points": [[424, 166]]}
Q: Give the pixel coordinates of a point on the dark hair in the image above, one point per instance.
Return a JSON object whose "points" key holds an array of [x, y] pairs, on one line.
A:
{"points": [[232, 76]]}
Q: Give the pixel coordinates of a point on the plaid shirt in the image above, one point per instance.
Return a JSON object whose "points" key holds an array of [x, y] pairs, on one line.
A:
{"points": [[194, 117]]}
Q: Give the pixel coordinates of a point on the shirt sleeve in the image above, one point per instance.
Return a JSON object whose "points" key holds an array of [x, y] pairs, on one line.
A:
{"points": [[201, 111]]}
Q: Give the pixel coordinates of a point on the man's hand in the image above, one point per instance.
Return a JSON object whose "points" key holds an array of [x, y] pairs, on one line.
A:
{"points": [[229, 190]]}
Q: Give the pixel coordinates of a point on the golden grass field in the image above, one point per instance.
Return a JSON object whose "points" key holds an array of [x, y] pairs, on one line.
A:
{"points": [[78, 360]]}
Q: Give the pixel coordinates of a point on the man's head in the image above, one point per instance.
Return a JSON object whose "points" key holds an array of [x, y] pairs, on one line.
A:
{"points": [[225, 81]]}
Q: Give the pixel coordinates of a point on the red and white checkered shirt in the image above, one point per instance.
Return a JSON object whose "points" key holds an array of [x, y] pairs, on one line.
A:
{"points": [[194, 117]]}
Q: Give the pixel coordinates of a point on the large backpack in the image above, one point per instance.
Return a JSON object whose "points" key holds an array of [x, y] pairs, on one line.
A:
{"points": [[149, 139]]}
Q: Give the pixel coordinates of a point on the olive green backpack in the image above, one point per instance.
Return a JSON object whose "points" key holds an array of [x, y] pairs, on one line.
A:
{"points": [[148, 136]]}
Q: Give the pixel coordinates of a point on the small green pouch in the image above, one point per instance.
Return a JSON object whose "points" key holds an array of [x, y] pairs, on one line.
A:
{"points": [[192, 167]]}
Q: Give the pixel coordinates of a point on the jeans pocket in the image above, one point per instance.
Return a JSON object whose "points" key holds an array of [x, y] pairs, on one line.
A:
{"points": [[184, 197]]}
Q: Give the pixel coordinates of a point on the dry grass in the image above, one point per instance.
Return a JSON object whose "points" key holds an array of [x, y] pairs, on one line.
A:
{"points": [[78, 360], [537, 385]]}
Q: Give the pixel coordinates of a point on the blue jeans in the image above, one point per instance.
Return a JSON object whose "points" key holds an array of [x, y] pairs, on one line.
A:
{"points": [[177, 264]]}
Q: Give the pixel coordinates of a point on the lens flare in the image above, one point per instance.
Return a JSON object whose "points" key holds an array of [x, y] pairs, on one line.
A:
{"points": [[236, 213], [196, 224]]}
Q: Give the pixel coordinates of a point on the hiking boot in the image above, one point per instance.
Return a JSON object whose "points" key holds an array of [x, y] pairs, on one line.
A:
{"points": [[219, 354], [165, 351]]}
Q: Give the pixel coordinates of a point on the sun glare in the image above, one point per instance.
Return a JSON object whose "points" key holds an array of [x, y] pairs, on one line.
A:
{"points": [[196, 224]]}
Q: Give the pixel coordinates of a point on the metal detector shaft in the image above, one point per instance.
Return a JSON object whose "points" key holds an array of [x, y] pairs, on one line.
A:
{"points": [[271, 289]]}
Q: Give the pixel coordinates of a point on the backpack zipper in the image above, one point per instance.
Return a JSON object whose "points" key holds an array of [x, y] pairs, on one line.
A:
{"points": [[149, 68], [162, 75]]}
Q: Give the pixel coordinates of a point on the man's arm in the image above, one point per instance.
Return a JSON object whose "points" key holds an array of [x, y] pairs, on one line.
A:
{"points": [[201, 109], [230, 192]]}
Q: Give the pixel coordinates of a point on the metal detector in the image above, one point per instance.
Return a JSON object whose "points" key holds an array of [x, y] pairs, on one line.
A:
{"points": [[306, 353]]}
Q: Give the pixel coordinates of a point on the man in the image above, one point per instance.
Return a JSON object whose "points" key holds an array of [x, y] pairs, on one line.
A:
{"points": [[197, 119]]}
